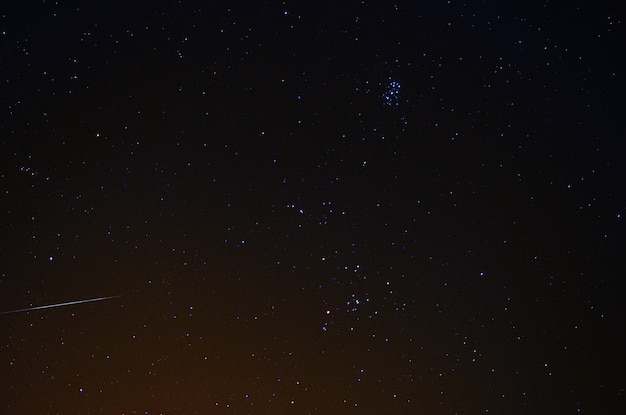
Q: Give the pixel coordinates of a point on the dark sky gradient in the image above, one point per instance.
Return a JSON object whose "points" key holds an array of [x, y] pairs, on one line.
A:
{"points": [[312, 208]]}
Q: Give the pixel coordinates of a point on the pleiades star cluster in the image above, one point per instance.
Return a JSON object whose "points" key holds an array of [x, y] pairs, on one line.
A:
{"points": [[282, 207]]}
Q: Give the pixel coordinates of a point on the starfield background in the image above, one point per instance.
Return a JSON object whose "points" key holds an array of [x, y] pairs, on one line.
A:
{"points": [[344, 207]]}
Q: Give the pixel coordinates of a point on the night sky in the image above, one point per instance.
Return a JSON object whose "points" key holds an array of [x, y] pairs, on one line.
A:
{"points": [[342, 207]]}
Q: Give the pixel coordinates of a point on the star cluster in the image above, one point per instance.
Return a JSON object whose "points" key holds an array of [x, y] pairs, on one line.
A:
{"points": [[349, 207]]}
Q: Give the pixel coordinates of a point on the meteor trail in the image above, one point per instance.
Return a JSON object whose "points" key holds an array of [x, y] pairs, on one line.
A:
{"points": [[41, 307]]}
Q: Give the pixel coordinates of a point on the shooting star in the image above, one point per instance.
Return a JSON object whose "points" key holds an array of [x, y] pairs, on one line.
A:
{"points": [[41, 307]]}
